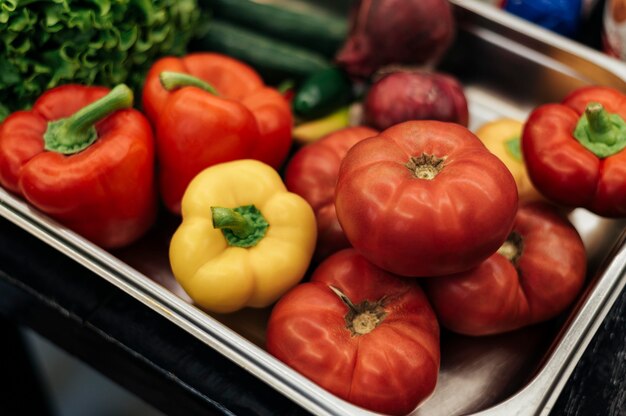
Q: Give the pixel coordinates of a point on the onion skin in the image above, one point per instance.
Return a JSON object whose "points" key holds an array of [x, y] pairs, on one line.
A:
{"points": [[404, 96], [386, 32]]}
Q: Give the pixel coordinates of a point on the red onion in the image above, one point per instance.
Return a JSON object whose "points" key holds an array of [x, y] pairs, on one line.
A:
{"points": [[396, 32], [403, 96]]}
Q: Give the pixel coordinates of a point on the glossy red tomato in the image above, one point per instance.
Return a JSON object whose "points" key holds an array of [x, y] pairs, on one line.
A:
{"points": [[312, 173], [425, 198], [536, 275], [363, 334]]}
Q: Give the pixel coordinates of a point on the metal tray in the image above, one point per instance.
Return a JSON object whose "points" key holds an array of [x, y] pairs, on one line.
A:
{"points": [[507, 66]]}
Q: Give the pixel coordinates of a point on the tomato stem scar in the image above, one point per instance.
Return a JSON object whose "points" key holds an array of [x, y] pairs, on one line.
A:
{"points": [[425, 166], [364, 317], [512, 248]]}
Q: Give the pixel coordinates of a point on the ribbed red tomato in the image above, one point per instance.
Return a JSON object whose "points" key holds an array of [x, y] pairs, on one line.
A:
{"points": [[312, 173], [535, 275], [360, 332], [425, 198]]}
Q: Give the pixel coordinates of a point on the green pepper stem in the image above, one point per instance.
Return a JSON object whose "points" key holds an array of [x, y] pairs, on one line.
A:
{"points": [[285, 86], [599, 124], [226, 218], [243, 226], [173, 80], [513, 147], [75, 133], [601, 132]]}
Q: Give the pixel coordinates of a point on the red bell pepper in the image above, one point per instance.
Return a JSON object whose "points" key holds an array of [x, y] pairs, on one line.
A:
{"points": [[363, 334], [208, 108], [312, 173], [574, 151], [536, 274], [84, 157]]}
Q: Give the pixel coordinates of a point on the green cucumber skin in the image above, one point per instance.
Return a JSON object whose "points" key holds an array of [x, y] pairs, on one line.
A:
{"points": [[308, 29], [322, 92], [273, 59]]}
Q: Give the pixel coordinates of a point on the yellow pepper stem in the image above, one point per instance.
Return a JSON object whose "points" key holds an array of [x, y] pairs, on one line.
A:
{"points": [[243, 226]]}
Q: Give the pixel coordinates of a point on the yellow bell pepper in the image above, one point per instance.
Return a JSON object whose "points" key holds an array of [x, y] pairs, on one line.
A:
{"points": [[502, 138], [244, 239]]}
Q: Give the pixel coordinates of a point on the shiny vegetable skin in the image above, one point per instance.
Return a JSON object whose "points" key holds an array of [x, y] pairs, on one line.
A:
{"points": [[536, 275], [503, 138], [425, 198], [361, 333], [305, 27], [106, 192], [275, 59], [226, 263], [311, 131], [195, 128], [312, 173], [575, 165], [415, 95], [322, 92], [391, 32]]}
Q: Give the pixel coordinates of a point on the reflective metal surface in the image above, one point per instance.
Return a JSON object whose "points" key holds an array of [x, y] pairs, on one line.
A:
{"points": [[507, 67]]}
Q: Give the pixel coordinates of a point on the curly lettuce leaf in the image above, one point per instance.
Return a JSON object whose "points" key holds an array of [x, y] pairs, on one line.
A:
{"points": [[105, 42]]}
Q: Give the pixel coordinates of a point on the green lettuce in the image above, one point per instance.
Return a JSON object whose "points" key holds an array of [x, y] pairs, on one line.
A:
{"points": [[45, 43]]}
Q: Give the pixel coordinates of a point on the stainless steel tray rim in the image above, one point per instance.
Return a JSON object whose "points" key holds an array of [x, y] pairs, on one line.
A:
{"points": [[193, 320], [281, 377], [561, 361]]}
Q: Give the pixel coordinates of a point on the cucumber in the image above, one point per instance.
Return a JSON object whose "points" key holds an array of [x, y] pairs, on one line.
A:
{"points": [[322, 93], [308, 28], [273, 59]]}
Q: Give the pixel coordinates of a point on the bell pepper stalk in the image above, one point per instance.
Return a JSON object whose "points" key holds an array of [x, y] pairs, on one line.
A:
{"points": [[207, 108], [83, 156], [503, 138], [173, 80], [244, 239], [601, 133], [574, 151]]}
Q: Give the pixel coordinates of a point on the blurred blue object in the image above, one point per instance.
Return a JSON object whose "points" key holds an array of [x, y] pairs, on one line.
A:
{"points": [[561, 16]]}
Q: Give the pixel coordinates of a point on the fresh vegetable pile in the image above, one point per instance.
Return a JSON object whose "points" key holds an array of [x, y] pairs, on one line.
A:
{"points": [[364, 233]]}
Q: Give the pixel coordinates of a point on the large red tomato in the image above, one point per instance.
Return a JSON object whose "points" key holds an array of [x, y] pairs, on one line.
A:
{"points": [[425, 198], [363, 334], [535, 275], [312, 173]]}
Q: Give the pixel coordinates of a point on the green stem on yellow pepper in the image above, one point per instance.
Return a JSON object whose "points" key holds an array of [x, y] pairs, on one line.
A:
{"points": [[243, 226], [173, 80], [513, 146], [75, 133], [601, 132]]}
